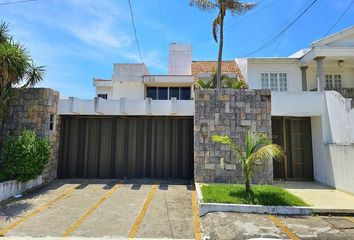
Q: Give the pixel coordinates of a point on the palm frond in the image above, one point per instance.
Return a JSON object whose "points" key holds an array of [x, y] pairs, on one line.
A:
{"points": [[228, 141], [266, 152], [237, 7], [216, 26], [204, 5], [202, 84]]}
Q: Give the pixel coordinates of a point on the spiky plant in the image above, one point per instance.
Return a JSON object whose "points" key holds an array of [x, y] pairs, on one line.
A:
{"points": [[258, 148], [235, 7], [17, 68]]}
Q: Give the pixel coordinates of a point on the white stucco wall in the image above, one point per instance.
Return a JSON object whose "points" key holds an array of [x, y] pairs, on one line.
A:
{"points": [[180, 59], [292, 69], [105, 90], [129, 90]]}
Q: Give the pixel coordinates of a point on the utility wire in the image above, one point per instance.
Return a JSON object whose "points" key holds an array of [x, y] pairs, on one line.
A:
{"points": [[339, 19], [282, 31], [136, 36], [15, 2]]}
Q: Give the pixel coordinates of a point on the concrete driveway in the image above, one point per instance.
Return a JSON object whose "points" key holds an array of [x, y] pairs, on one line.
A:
{"points": [[103, 209]]}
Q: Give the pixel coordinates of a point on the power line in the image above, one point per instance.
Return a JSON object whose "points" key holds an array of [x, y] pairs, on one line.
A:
{"points": [[208, 37], [282, 31], [340, 18], [136, 36], [15, 2]]}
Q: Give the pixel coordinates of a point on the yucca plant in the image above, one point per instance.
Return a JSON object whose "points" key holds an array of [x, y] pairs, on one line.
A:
{"points": [[258, 148], [17, 68]]}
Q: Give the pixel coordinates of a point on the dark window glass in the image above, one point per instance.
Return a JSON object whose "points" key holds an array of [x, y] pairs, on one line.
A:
{"points": [[174, 92], [102, 96], [151, 92], [162, 93], [51, 122], [185, 93]]}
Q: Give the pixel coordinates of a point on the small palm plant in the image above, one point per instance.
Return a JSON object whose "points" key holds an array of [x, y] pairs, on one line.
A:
{"points": [[226, 82], [258, 148]]}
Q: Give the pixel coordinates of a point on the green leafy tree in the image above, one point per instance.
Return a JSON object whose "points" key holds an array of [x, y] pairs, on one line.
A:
{"points": [[235, 7], [258, 148], [17, 68], [226, 82], [23, 158]]}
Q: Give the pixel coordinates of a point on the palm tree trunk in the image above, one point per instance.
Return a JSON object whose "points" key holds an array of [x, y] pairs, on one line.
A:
{"points": [[221, 44], [247, 179]]}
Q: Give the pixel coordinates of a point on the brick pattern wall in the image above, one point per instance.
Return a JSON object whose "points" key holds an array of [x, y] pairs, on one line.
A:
{"points": [[31, 109], [233, 113], [210, 67]]}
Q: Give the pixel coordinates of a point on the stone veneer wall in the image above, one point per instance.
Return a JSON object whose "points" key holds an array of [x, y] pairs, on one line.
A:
{"points": [[31, 108], [228, 112]]}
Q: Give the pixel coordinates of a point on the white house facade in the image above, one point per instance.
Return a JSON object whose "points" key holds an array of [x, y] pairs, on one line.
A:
{"points": [[311, 108]]}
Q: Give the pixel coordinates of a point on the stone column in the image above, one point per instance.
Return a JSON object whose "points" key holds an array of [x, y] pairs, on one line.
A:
{"points": [[304, 77], [320, 73]]}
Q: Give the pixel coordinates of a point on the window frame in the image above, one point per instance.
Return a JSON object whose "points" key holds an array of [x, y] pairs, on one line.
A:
{"points": [[333, 82], [278, 83]]}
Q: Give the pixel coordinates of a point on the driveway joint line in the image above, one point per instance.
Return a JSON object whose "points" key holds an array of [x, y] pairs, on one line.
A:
{"points": [[36, 211], [96, 205], [283, 227], [196, 220], [134, 230]]}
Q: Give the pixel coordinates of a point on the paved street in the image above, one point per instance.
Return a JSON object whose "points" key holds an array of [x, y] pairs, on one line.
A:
{"points": [[248, 226], [101, 208]]}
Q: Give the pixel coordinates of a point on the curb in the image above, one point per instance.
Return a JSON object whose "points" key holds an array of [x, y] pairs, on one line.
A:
{"points": [[205, 208]]}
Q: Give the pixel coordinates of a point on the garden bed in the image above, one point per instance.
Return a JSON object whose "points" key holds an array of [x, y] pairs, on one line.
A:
{"points": [[265, 199], [266, 195]]}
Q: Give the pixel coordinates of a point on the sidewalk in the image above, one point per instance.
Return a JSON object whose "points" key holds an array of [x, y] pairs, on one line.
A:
{"points": [[320, 196]]}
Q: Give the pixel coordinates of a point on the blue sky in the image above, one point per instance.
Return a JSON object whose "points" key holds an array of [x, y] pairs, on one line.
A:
{"points": [[81, 39]]}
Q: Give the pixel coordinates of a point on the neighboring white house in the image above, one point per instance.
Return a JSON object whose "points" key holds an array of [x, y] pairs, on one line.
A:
{"points": [[315, 127], [300, 105]]}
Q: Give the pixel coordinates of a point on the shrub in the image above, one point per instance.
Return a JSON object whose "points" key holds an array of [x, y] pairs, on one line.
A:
{"points": [[24, 157]]}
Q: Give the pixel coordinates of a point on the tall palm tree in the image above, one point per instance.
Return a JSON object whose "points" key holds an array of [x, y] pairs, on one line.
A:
{"points": [[257, 149], [222, 6], [17, 68]]}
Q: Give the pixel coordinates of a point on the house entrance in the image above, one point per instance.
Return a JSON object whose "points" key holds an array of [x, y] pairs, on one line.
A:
{"points": [[294, 135]]}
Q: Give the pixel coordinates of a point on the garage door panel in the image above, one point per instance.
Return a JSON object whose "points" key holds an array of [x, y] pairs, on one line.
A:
{"points": [[131, 147]]}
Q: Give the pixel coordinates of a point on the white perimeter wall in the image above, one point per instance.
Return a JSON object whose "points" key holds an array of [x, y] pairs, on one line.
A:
{"points": [[332, 126]]}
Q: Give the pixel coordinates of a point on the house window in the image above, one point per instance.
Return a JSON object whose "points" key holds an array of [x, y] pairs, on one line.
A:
{"points": [[151, 92], [104, 96], [333, 81], [51, 122], [174, 92], [274, 81], [164, 93], [264, 81], [283, 82], [185, 93]]}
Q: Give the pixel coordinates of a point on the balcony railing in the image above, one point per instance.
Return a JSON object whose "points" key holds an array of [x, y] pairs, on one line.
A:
{"points": [[345, 92]]}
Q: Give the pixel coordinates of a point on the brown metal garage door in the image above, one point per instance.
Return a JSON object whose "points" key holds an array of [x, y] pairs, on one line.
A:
{"points": [[126, 147]]}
